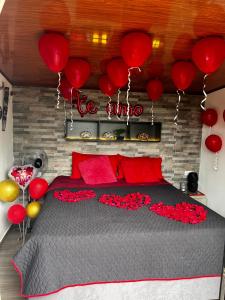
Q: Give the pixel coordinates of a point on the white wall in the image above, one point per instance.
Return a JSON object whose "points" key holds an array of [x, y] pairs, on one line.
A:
{"points": [[6, 156], [212, 182]]}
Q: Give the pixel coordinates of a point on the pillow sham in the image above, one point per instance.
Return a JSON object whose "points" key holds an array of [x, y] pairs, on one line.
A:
{"points": [[97, 170], [79, 157], [142, 169]]}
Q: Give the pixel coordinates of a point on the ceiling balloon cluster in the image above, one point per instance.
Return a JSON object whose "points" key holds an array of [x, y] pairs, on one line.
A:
{"points": [[135, 49]]}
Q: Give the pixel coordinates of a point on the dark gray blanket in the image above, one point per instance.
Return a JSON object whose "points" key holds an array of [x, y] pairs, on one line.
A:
{"points": [[86, 242]]}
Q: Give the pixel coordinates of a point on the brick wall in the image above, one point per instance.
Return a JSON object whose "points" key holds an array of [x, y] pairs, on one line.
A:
{"points": [[39, 126]]}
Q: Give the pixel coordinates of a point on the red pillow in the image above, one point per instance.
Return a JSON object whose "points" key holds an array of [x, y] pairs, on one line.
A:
{"points": [[97, 170], [142, 169], [79, 157]]}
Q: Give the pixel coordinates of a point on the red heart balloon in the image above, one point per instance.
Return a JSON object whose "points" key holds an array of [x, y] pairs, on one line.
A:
{"points": [[37, 188], [154, 89], [22, 175], [136, 47], [77, 72], [118, 72], [209, 117], [183, 73], [214, 143], [208, 54], [54, 50], [106, 86]]}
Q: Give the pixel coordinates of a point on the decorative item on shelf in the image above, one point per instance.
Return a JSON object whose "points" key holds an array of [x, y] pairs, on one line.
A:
{"points": [[85, 134], [118, 133], [108, 135], [143, 136], [192, 182]]}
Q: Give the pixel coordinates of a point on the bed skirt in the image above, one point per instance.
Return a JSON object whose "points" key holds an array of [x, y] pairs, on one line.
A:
{"points": [[186, 289]]}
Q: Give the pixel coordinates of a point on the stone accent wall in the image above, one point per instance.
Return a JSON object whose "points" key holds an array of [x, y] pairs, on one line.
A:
{"points": [[39, 126]]}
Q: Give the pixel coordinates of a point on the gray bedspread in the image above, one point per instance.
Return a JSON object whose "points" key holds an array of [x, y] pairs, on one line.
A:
{"points": [[89, 242]]}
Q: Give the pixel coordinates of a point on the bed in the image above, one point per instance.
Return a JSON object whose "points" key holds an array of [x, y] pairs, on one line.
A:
{"points": [[91, 251]]}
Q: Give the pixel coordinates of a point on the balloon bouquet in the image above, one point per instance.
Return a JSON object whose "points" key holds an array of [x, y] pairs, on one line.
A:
{"points": [[20, 178]]}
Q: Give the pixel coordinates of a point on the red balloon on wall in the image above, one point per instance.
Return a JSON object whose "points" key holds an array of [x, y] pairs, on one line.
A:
{"points": [[66, 88], [106, 86], [214, 143], [208, 54], [16, 214], [54, 50], [209, 117], [154, 89], [136, 47], [183, 73], [37, 188], [118, 72], [77, 72]]}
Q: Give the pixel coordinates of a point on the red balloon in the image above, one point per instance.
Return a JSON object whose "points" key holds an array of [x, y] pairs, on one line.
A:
{"points": [[209, 117], [183, 73], [118, 72], [16, 214], [54, 50], [214, 143], [66, 88], [37, 188], [154, 89], [77, 72], [136, 47], [224, 115], [106, 86], [208, 54]]}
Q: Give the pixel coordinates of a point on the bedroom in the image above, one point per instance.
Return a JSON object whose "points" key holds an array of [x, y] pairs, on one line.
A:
{"points": [[140, 88]]}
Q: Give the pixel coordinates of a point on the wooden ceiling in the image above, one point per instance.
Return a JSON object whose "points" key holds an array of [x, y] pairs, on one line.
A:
{"points": [[95, 28]]}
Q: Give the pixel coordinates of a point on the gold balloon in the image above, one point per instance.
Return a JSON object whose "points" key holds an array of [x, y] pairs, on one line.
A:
{"points": [[33, 209], [9, 190]]}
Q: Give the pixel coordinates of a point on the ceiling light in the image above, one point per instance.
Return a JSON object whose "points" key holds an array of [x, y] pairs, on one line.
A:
{"points": [[156, 43]]}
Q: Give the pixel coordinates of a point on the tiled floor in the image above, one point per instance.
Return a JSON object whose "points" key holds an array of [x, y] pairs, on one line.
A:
{"points": [[9, 280]]}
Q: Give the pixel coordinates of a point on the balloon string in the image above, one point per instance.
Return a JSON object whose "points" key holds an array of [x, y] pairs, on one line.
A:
{"points": [[23, 235], [204, 92], [65, 115], [58, 91], [178, 104], [128, 91], [152, 111], [71, 109], [118, 104], [215, 167], [110, 108]]}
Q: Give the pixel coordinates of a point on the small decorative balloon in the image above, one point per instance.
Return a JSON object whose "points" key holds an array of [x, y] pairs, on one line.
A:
{"points": [[38, 188], [208, 54], [214, 143], [33, 209], [209, 117], [9, 190], [16, 214], [106, 86], [154, 89], [54, 50], [118, 72], [66, 89], [77, 72], [136, 47], [183, 73]]}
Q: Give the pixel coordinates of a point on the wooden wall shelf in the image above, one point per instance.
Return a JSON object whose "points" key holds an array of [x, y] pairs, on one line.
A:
{"points": [[104, 131]]}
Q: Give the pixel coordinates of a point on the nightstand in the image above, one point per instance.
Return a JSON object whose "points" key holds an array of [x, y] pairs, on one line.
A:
{"points": [[200, 197]]}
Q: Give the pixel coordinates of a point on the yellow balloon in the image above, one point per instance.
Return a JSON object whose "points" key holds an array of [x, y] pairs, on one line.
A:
{"points": [[9, 190], [33, 209]]}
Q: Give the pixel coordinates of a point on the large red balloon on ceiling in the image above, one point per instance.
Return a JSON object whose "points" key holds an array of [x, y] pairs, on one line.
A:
{"points": [[77, 72], [106, 86], [214, 143], [209, 117], [154, 89], [183, 73], [118, 72], [54, 50], [136, 47], [16, 214], [66, 89], [37, 188], [208, 54]]}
